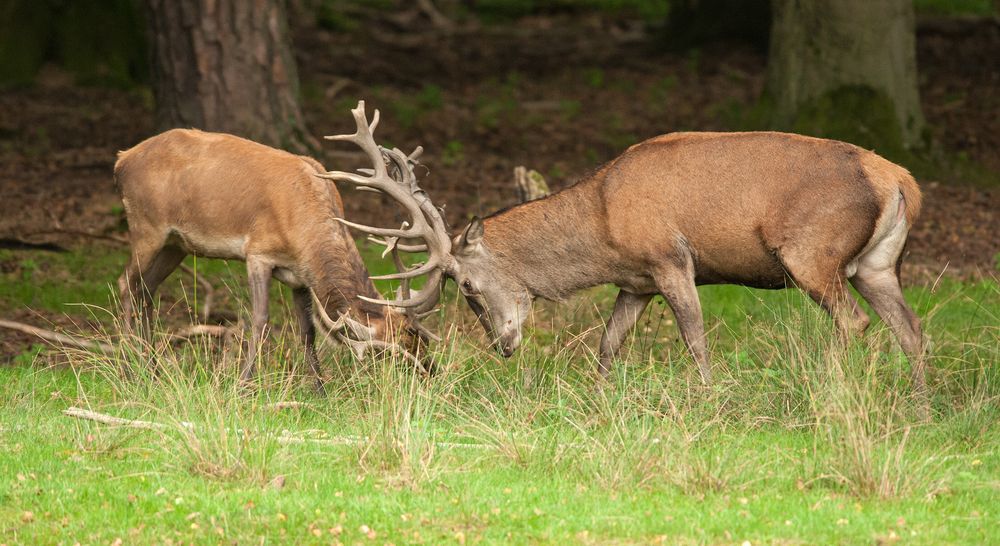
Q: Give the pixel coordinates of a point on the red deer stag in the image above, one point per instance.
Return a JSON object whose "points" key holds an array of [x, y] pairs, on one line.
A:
{"points": [[220, 196], [758, 209]]}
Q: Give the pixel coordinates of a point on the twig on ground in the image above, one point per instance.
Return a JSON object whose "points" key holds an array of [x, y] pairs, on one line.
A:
{"points": [[81, 233], [278, 406], [88, 415], [56, 337], [14, 243], [196, 330], [284, 438], [438, 19]]}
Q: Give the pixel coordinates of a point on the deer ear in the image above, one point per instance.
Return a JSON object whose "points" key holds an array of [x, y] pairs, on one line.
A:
{"points": [[472, 236]]}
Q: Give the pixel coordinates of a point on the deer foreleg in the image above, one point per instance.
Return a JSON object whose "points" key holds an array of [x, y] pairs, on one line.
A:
{"points": [[628, 307], [307, 331], [259, 275], [678, 288]]}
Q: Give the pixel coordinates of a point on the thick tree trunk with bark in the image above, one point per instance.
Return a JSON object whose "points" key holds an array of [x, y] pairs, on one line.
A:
{"points": [[821, 47], [227, 65]]}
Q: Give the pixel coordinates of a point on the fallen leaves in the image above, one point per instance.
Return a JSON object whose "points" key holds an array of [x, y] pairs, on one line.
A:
{"points": [[368, 532], [278, 482]]}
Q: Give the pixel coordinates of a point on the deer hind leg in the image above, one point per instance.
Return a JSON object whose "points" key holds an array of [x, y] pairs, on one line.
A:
{"points": [[146, 270], [628, 307], [307, 331], [877, 280], [676, 283], [881, 289], [259, 276], [822, 279]]}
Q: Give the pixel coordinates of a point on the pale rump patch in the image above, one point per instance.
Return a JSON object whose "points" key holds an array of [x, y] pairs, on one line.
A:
{"points": [[882, 251]]}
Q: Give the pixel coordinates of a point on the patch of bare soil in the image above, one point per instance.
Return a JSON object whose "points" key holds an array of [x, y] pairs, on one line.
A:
{"points": [[960, 87], [58, 146]]}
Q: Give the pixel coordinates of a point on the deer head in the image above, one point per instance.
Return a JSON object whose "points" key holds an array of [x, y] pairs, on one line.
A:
{"points": [[499, 299]]}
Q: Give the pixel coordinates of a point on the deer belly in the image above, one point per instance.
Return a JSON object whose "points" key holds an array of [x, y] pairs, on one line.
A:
{"points": [[287, 277], [226, 248], [755, 268]]}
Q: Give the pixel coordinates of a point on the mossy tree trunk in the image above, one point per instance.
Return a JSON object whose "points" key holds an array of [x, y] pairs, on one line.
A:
{"points": [[227, 65], [835, 48]]}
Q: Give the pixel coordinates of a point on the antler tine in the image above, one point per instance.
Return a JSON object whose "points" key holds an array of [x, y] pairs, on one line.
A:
{"points": [[363, 136], [405, 294], [409, 233], [416, 325], [344, 323], [426, 221], [404, 284], [402, 247], [403, 273], [403, 165], [415, 302], [409, 273], [345, 327]]}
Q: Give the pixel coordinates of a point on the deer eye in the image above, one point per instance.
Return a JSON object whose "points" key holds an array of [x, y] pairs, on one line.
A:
{"points": [[467, 286]]}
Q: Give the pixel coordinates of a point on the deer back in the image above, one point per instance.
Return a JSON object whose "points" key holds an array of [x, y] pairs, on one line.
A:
{"points": [[221, 196]]}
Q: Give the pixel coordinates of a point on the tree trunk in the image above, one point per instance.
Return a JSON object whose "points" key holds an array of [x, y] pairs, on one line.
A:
{"points": [[821, 47], [227, 65]]}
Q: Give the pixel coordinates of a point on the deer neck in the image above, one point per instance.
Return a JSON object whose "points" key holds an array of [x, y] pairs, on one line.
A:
{"points": [[338, 276], [555, 245]]}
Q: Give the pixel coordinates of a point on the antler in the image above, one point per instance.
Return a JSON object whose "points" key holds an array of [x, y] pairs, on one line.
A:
{"points": [[425, 223], [360, 337], [344, 324]]}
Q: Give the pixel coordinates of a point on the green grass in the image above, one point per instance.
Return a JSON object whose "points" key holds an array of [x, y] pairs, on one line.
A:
{"points": [[800, 440]]}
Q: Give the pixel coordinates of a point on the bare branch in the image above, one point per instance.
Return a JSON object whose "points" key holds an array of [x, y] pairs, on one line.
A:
{"points": [[57, 338], [291, 404], [198, 330], [102, 418], [284, 437]]}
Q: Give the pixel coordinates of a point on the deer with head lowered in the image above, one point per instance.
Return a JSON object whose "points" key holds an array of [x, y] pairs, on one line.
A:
{"points": [[220, 196], [760, 209]]}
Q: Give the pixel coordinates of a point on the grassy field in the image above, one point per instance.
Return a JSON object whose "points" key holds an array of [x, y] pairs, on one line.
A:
{"points": [[799, 441]]}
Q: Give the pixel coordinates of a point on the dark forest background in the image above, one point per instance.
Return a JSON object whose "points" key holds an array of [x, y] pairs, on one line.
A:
{"points": [[486, 85]]}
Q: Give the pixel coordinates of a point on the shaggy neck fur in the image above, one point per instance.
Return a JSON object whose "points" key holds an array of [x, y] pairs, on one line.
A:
{"points": [[338, 276]]}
